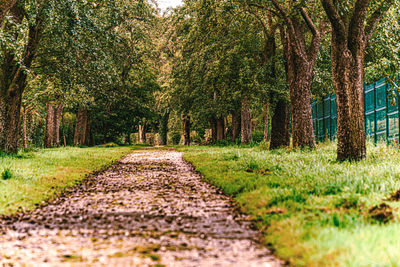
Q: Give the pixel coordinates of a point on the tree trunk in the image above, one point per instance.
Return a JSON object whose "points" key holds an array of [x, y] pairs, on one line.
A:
{"points": [[350, 38], [348, 78], [280, 132], [220, 129], [63, 130], [78, 126], [13, 79], [266, 120], [300, 98], [129, 139], [246, 121], [164, 129], [57, 122], [186, 130], [88, 133], [213, 123], [49, 134], [82, 129], [142, 132], [24, 122], [235, 125], [300, 59], [11, 117]]}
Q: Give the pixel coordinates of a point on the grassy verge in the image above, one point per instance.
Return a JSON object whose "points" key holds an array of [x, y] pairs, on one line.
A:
{"points": [[313, 210], [30, 178]]}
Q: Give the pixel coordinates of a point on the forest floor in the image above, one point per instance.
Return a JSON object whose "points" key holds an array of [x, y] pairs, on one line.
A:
{"points": [[149, 209]]}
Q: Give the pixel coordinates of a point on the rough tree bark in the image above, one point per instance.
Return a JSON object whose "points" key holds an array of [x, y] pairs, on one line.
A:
{"points": [[300, 61], [235, 125], [246, 121], [186, 129], [280, 136], [350, 38], [13, 82]]}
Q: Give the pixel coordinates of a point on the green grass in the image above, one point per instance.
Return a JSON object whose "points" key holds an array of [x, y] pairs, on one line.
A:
{"points": [[313, 210], [29, 178]]}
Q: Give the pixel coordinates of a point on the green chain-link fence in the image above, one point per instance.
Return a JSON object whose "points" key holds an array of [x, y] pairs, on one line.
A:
{"points": [[381, 114]]}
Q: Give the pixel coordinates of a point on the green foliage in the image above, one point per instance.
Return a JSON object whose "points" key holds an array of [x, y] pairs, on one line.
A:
{"points": [[176, 138], [6, 174]]}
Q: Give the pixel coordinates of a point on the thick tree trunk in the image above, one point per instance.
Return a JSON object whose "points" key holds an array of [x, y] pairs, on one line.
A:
{"points": [[220, 129], [280, 124], [348, 77], [13, 78], [300, 98], [266, 120], [300, 59], [235, 125], [12, 111], [164, 129], [350, 38], [49, 134], [186, 130], [246, 121]]}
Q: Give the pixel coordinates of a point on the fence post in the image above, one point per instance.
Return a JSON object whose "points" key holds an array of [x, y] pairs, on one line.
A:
{"points": [[387, 112]]}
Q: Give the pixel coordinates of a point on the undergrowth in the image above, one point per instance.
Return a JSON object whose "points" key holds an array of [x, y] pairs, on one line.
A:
{"points": [[314, 210]]}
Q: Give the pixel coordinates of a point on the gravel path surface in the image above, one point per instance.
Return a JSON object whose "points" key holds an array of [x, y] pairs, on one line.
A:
{"points": [[150, 209]]}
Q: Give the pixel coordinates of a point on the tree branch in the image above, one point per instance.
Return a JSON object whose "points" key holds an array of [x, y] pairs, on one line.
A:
{"points": [[375, 18], [5, 7], [308, 21], [335, 19], [356, 26], [262, 7]]}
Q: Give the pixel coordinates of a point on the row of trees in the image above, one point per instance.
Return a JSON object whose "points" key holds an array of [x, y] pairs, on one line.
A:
{"points": [[275, 56], [87, 72], [75, 72]]}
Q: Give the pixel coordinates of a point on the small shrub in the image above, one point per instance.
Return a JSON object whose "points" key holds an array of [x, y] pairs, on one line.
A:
{"points": [[231, 156], [351, 202], [258, 136], [6, 174], [251, 165], [223, 143], [263, 145]]}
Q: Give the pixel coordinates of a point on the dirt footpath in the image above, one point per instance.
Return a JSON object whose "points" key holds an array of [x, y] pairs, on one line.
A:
{"points": [[150, 209]]}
